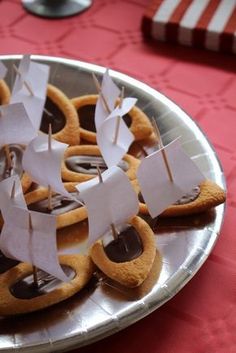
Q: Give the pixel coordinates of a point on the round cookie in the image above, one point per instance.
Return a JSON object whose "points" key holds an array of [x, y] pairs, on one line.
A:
{"points": [[60, 112], [210, 195], [136, 119], [129, 273], [90, 150], [12, 305], [4, 93]]}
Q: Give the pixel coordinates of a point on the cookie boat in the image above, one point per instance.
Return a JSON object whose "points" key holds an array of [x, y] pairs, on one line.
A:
{"points": [[112, 204], [30, 237], [93, 109], [37, 244]]}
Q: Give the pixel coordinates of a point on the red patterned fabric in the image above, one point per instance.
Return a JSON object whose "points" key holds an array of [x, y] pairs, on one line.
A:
{"points": [[209, 24], [201, 318]]}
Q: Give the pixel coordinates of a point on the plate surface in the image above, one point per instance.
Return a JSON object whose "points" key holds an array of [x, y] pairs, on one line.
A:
{"points": [[185, 244]]}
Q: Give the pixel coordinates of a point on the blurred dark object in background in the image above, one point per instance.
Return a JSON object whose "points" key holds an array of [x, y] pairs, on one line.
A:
{"points": [[56, 8]]}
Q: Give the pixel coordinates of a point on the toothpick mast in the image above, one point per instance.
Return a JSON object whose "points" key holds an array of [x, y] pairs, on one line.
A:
{"points": [[7, 151], [118, 117], [113, 228], [35, 274], [13, 190], [26, 84], [29, 89], [49, 150], [160, 145], [99, 90]]}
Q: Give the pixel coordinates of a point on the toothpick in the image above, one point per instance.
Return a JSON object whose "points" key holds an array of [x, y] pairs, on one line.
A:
{"points": [[8, 157], [47, 112], [99, 174], [99, 90], [24, 82], [114, 231], [50, 137], [163, 152], [29, 89], [118, 117], [35, 274], [13, 190], [49, 150]]}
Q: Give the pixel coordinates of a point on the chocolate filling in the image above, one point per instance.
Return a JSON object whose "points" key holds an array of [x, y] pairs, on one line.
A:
{"points": [[52, 115], [60, 205], [16, 152], [6, 263], [25, 288], [189, 197], [86, 117], [126, 247], [88, 164]]}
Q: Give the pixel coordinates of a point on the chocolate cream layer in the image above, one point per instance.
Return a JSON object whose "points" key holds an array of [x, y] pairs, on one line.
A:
{"points": [[86, 164], [52, 115], [59, 203], [189, 197], [86, 117], [126, 247], [25, 288]]}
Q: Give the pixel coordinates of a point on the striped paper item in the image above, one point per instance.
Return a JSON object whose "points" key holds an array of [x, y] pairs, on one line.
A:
{"points": [[209, 24]]}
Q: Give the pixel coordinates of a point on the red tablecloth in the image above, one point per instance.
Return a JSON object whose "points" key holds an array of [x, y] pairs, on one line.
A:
{"points": [[202, 317]]}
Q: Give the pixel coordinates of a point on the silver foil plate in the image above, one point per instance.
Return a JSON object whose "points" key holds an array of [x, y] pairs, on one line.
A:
{"points": [[185, 243]]}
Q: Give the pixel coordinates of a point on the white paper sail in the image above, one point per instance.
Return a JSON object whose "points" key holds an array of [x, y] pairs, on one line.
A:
{"points": [[44, 164], [36, 77], [15, 125], [113, 152], [157, 189], [3, 70], [7, 197], [110, 92], [107, 202], [37, 245]]}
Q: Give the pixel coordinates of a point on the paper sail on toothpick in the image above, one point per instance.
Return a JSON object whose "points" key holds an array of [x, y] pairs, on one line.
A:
{"points": [[15, 125], [31, 237], [114, 137], [109, 92], [112, 201], [3, 70], [11, 194], [157, 189], [43, 164], [30, 88]]}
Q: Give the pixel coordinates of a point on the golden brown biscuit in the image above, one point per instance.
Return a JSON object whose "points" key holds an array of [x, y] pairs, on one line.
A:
{"points": [[130, 273], [114, 288], [211, 195], [5, 93], [90, 150], [60, 112], [70, 217], [73, 234], [10, 305], [136, 119]]}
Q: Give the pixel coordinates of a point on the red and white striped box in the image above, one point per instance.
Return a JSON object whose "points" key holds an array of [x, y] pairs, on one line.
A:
{"points": [[209, 24]]}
